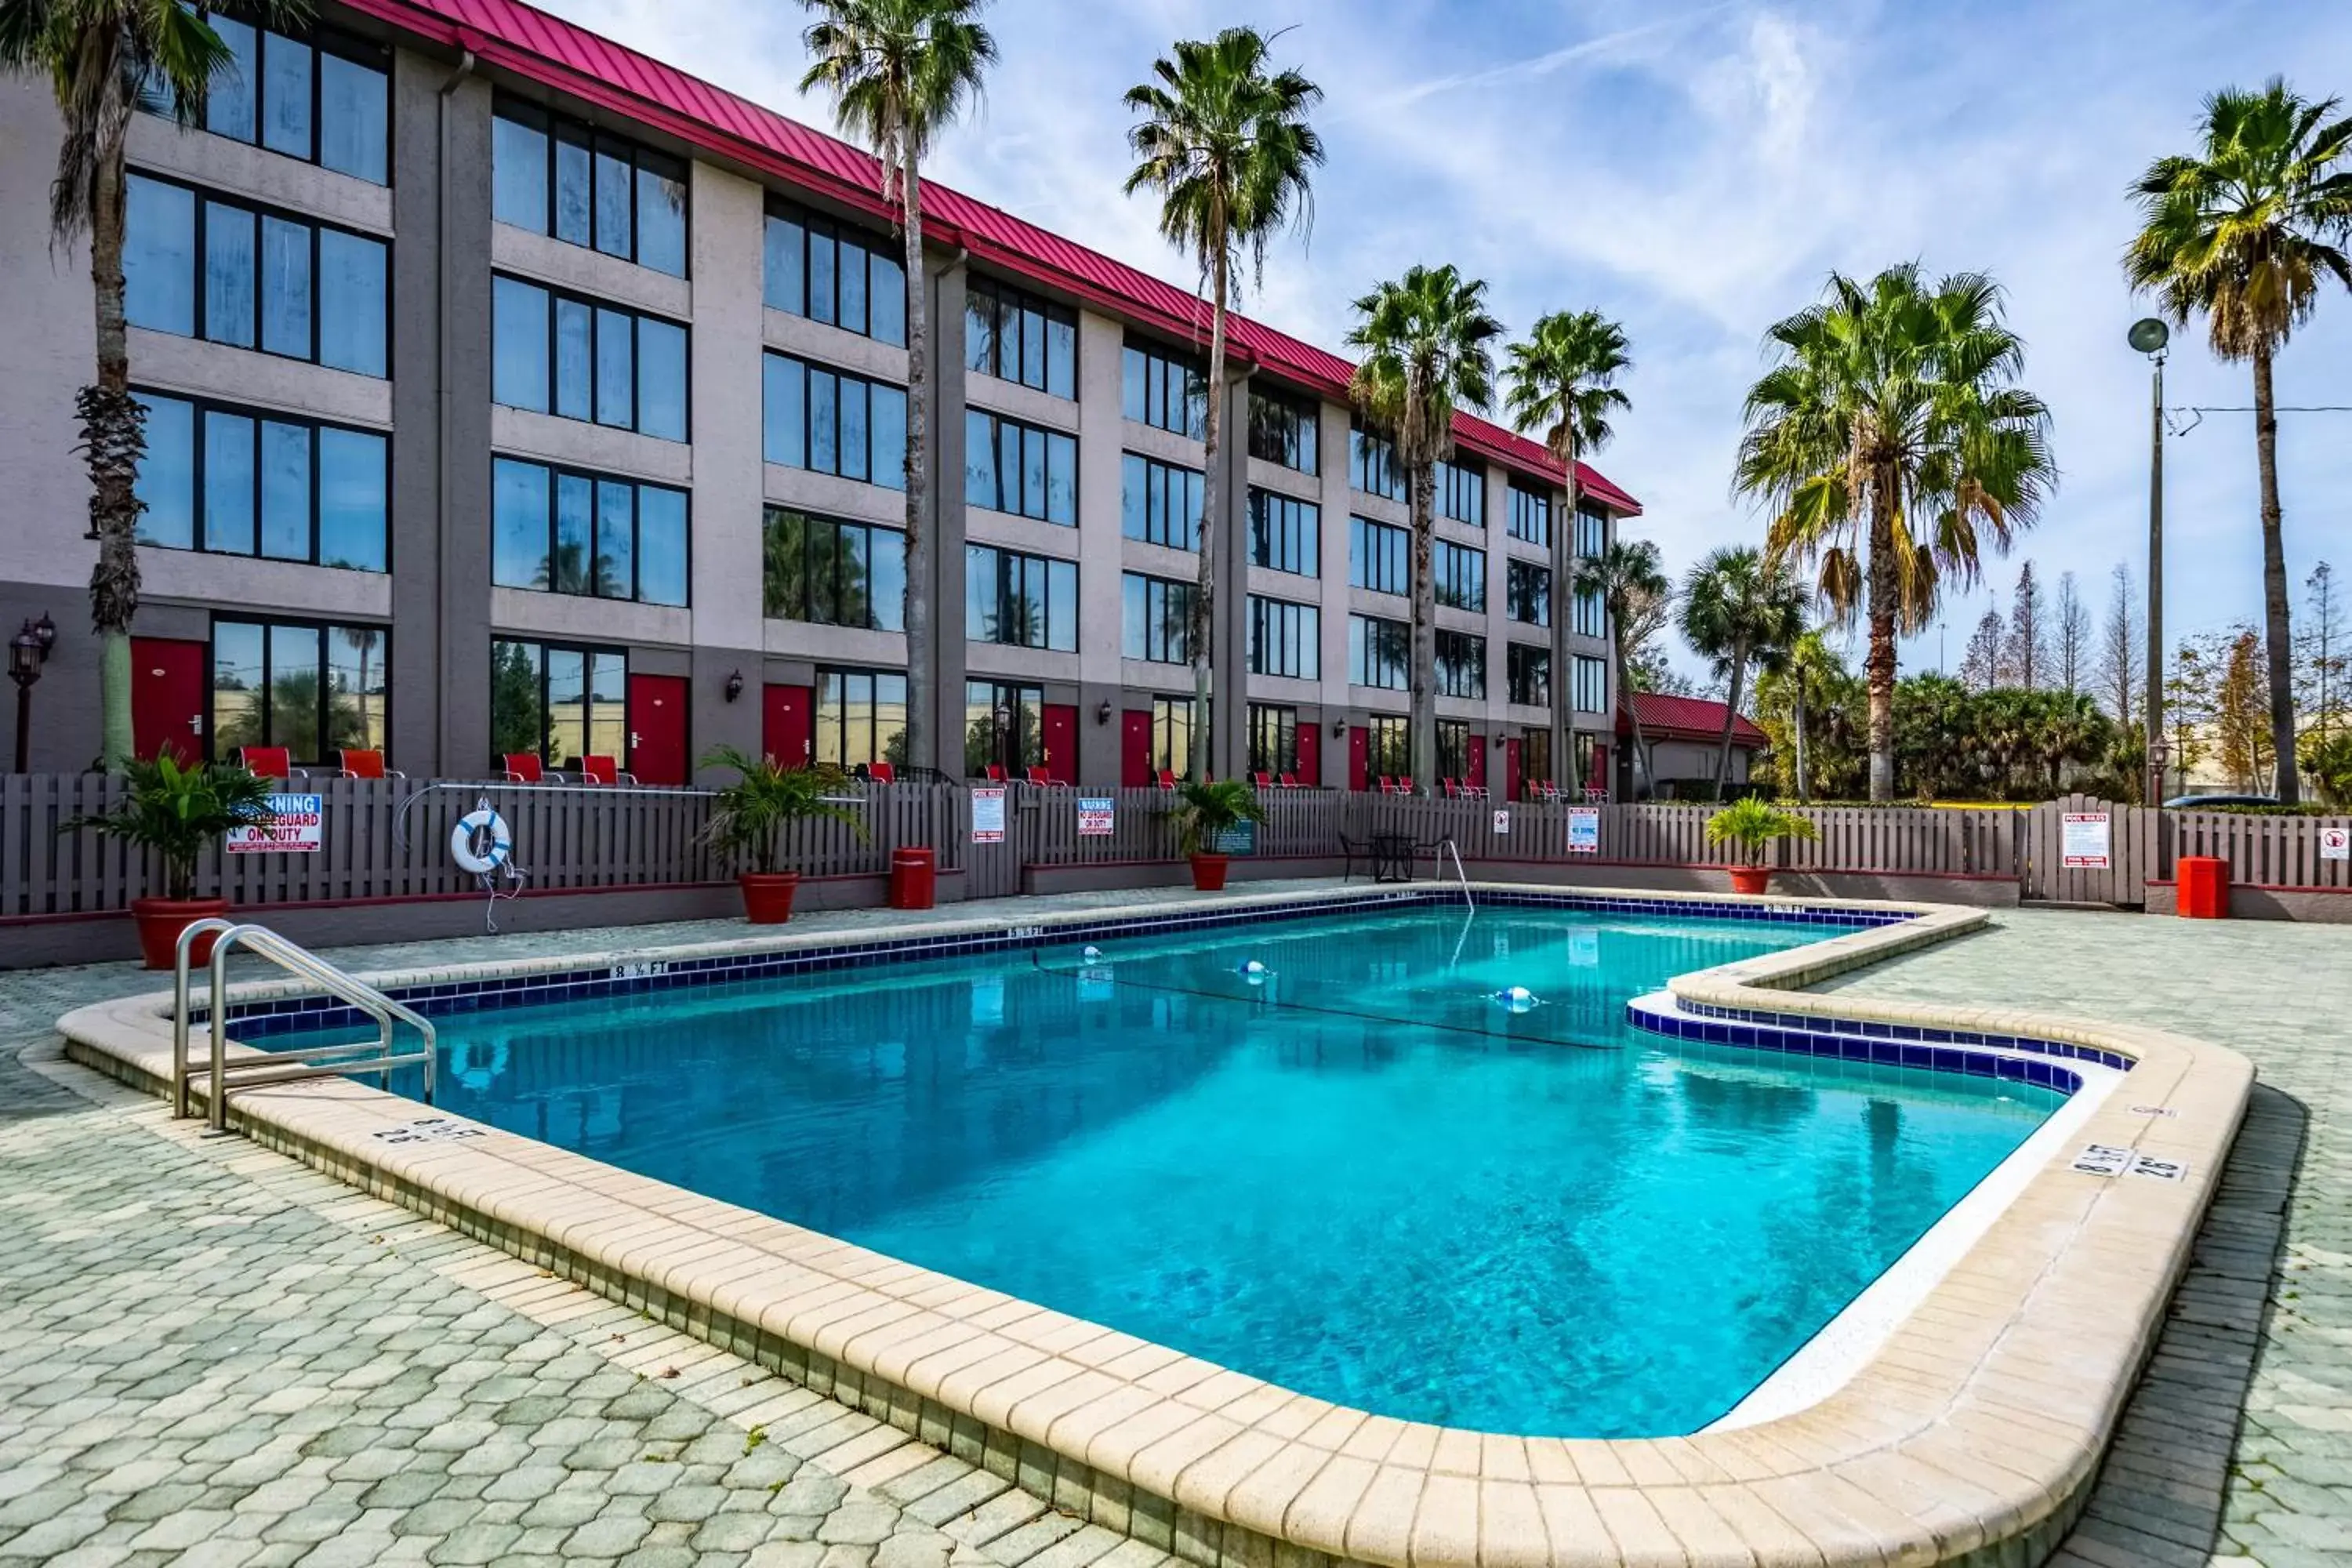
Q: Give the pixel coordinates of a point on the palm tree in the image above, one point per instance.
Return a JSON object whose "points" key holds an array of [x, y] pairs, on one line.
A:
{"points": [[1740, 606], [1228, 148], [1424, 339], [102, 58], [1807, 680], [1562, 382], [1632, 587], [900, 71], [1892, 443], [2244, 232]]}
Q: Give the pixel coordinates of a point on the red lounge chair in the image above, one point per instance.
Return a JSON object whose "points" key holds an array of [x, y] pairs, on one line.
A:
{"points": [[365, 766], [269, 762], [1388, 784], [1289, 781], [1452, 791], [524, 767], [1262, 780], [1167, 778], [1040, 777], [881, 772], [603, 771], [1404, 785], [996, 773]]}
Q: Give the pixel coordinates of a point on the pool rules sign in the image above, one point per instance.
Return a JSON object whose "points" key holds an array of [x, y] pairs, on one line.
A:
{"points": [[2084, 841]]}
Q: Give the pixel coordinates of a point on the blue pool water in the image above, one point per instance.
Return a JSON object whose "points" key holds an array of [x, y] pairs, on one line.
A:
{"points": [[1358, 1177]]}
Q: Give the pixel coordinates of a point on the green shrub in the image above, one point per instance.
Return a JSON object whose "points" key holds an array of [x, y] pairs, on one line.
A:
{"points": [[178, 811], [1751, 825]]}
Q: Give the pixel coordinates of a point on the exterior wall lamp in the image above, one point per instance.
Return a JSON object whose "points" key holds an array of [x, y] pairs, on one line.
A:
{"points": [[1102, 712], [29, 650], [734, 686]]}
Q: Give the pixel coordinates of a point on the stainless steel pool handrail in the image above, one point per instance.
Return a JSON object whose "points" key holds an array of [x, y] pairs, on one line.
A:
{"points": [[285, 1065], [1447, 847]]}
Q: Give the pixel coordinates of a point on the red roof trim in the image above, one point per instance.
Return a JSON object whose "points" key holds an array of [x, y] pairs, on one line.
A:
{"points": [[531, 44]]}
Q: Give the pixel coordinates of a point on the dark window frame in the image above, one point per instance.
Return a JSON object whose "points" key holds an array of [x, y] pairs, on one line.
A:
{"points": [[1006, 300], [1590, 615], [1532, 512], [598, 309], [1285, 428], [558, 127], [1455, 743], [1161, 365], [1175, 649], [876, 747], [1527, 586], [1363, 534], [1387, 745], [1527, 669], [1592, 532], [1369, 633], [1455, 479], [321, 41], [1160, 474], [266, 621], [1585, 668], [1300, 532], [770, 513], [1372, 465], [1461, 671], [808, 422], [811, 221], [546, 709], [1273, 738], [1282, 626], [1450, 566], [1005, 555], [198, 458], [596, 480], [997, 424], [1024, 699]]}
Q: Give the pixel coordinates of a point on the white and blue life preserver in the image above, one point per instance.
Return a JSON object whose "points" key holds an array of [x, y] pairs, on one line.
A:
{"points": [[480, 842]]}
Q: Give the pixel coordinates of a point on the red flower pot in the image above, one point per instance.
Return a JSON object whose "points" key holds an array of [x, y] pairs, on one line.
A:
{"points": [[1750, 879], [1209, 873], [768, 896], [161, 921]]}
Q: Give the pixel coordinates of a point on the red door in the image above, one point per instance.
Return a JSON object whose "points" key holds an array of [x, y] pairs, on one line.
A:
{"points": [[167, 698], [1511, 768], [1359, 753], [1475, 763], [1310, 754], [1061, 742], [1135, 749], [658, 729], [787, 717], [1599, 778]]}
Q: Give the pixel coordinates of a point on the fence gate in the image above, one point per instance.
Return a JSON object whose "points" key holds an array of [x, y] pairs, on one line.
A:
{"points": [[2063, 842]]}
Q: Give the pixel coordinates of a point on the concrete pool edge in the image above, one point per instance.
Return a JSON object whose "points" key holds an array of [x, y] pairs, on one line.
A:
{"points": [[1971, 1434]]}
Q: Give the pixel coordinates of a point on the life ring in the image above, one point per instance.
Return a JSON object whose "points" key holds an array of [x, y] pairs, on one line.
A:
{"points": [[480, 842]]}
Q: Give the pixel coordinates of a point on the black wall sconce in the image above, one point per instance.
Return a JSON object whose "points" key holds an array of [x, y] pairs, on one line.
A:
{"points": [[29, 650], [734, 686], [1338, 728], [1102, 713]]}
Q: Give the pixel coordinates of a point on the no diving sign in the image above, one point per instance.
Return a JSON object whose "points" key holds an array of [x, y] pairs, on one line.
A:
{"points": [[2335, 844]]}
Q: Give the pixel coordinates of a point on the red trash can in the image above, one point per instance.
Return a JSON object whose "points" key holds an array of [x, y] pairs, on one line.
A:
{"points": [[914, 878], [2204, 888]]}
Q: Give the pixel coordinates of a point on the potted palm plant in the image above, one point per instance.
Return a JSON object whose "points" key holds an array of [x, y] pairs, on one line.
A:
{"points": [[1751, 826], [749, 818], [178, 811], [1208, 811]]}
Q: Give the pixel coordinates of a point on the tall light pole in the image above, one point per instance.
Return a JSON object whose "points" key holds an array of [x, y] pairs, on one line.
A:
{"points": [[2149, 336]]}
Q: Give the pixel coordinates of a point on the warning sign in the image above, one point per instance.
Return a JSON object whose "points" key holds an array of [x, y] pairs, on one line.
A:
{"points": [[2084, 841]]}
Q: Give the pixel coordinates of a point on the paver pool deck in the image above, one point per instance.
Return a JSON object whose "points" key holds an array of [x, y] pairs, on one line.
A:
{"points": [[211, 1354]]}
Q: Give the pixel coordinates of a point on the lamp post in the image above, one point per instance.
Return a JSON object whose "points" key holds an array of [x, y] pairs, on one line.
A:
{"points": [[29, 650], [2149, 335]]}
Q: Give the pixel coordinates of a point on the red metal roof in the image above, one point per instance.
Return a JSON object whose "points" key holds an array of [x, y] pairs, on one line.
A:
{"points": [[529, 43], [1688, 719]]}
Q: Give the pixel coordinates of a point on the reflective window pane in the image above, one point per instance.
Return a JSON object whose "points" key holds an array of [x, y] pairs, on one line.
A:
{"points": [[1062, 479], [159, 256], [616, 375], [231, 104], [661, 215], [785, 280], [285, 490], [352, 497], [567, 706], [354, 124], [572, 190], [228, 274], [608, 713], [239, 687], [518, 719], [355, 687], [285, 95], [616, 576], [824, 451], [351, 302], [661, 545], [519, 344], [575, 374], [519, 497], [294, 693], [661, 379], [886, 299], [853, 450], [889, 420], [616, 198], [978, 460], [167, 474], [851, 317], [576, 526], [519, 174], [228, 482], [821, 268], [887, 570], [286, 287], [785, 415]]}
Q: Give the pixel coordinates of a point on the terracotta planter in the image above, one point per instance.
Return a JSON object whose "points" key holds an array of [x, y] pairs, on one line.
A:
{"points": [[1209, 873], [161, 921], [768, 896], [1751, 878]]}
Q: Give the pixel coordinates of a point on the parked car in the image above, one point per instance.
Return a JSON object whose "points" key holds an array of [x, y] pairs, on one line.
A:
{"points": [[2206, 802]]}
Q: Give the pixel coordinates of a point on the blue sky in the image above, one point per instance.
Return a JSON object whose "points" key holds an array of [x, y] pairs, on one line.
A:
{"points": [[1695, 171]]}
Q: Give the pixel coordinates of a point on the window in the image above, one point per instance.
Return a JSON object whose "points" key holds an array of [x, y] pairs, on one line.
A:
{"points": [[1591, 676], [830, 272], [556, 176], [1591, 533], [1160, 503], [1592, 615], [1156, 619], [1454, 748], [1273, 739], [1158, 387], [310, 689], [1171, 735], [1534, 757], [1527, 592], [1285, 533], [199, 266], [1021, 601], [236, 481], [1461, 664], [1461, 577], [1372, 464], [1015, 336], [1462, 493], [1530, 517], [1379, 556], [1388, 747], [1285, 429], [1285, 639], [833, 574], [324, 99], [1378, 652], [578, 359], [861, 718], [1020, 469], [559, 531], [563, 703], [1526, 674], [1588, 757], [1004, 724], [831, 422]]}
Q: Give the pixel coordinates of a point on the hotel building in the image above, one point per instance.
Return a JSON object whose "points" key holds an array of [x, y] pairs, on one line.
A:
{"points": [[509, 390]]}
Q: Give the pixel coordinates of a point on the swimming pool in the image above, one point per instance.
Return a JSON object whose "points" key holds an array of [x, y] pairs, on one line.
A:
{"points": [[1354, 1174]]}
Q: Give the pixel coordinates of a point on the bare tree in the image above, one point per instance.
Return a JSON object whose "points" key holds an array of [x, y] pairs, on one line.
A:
{"points": [[2025, 651], [2071, 639], [2323, 657], [1981, 670], [2123, 662]]}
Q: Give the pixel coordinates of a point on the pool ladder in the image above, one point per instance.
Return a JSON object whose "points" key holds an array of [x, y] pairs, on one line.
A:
{"points": [[280, 1066], [1447, 847]]}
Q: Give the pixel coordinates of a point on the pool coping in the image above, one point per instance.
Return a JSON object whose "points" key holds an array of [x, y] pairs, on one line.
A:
{"points": [[1970, 1436]]}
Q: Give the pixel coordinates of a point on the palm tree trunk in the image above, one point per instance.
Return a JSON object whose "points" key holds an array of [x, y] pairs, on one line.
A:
{"points": [[2275, 602], [1212, 508], [114, 436], [1881, 666], [1804, 777], [922, 549], [1730, 716], [1641, 760], [1423, 721]]}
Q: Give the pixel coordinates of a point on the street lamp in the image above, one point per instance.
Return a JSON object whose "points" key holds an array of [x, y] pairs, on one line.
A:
{"points": [[2149, 335], [28, 651]]}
